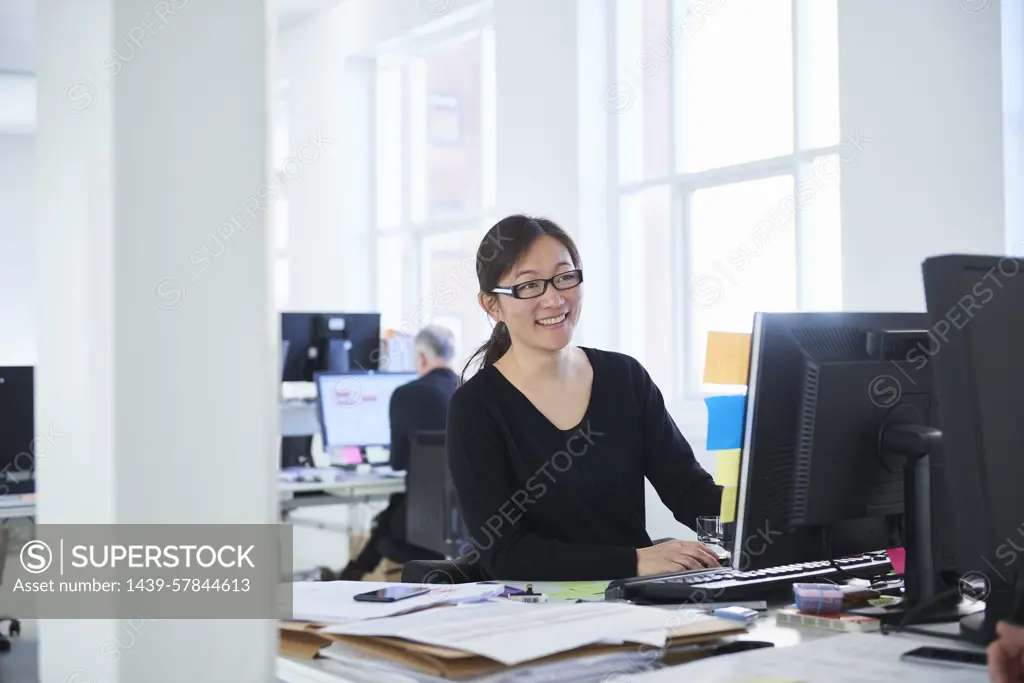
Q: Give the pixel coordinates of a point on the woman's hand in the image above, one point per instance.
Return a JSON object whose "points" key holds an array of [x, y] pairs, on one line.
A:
{"points": [[674, 556]]}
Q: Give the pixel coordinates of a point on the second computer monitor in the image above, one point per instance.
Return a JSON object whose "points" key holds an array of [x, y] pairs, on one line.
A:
{"points": [[354, 408], [329, 342], [815, 483]]}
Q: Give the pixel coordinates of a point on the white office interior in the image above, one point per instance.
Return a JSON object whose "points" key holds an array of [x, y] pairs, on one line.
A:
{"points": [[175, 174]]}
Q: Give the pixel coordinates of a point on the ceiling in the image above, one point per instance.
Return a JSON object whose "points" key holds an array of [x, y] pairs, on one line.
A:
{"points": [[18, 29]]}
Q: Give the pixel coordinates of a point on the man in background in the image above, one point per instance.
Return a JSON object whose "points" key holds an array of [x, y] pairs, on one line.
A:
{"points": [[417, 406]]}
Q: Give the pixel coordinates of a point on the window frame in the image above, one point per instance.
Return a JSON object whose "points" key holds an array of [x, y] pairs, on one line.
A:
{"points": [[476, 23], [799, 164]]}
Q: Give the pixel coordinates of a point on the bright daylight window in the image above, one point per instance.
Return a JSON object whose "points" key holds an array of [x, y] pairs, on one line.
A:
{"points": [[435, 182], [729, 159]]}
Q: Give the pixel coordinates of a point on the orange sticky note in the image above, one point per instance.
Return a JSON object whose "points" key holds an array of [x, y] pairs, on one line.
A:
{"points": [[728, 511], [727, 360]]}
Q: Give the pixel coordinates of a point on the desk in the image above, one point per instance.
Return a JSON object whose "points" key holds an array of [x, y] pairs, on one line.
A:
{"points": [[359, 488], [322, 670], [13, 507]]}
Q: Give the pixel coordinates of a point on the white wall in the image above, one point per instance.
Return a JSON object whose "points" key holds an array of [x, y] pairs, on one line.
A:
{"points": [[17, 290], [920, 82]]}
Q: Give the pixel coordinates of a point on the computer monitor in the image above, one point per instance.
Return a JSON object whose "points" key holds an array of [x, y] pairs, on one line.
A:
{"points": [[976, 353], [816, 480], [354, 408], [17, 430], [329, 342]]}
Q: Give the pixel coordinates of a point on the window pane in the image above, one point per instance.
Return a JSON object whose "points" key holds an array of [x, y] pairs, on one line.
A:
{"points": [[389, 147], [446, 129], [395, 263], [821, 238], [641, 95], [646, 301], [818, 62], [449, 291], [742, 256], [735, 82]]}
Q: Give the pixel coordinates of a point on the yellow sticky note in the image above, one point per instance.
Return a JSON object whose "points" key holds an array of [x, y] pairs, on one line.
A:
{"points": [[728, 358], [728, 511], [728, 471]]}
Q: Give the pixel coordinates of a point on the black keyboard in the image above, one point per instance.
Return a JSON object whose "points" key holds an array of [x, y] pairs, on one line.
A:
{"points": [[733, 585]]}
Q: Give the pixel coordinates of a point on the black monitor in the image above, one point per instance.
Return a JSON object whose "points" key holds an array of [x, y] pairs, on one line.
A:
{"points": [[328, 342], [17, 430], [820, 475], [976, 353]]}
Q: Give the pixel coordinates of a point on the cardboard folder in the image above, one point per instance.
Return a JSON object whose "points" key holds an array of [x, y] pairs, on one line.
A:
{"points": [[303, 641]]}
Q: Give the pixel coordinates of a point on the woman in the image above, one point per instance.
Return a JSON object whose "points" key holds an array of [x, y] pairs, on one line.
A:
{"points": [[549, 443]]}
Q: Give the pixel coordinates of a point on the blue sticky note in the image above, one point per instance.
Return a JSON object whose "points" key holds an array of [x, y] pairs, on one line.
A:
{"points": [[725, 422]]}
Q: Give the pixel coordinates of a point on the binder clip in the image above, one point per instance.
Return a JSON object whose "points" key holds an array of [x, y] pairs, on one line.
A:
{"points": [[529, 595]]}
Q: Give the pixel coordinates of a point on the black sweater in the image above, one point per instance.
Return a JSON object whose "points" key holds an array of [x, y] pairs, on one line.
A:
{"points": [[541, 503]]}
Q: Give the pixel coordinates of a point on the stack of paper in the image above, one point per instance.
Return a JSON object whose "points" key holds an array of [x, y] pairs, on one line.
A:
{"points": [[474, 639], [333, 602]]}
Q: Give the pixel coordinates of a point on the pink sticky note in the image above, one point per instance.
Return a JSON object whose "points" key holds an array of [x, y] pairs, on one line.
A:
{"points": [[351, 455], [898, 558]]}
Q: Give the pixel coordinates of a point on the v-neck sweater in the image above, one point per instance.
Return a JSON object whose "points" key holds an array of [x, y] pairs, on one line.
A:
{"points": [[543, 503]]}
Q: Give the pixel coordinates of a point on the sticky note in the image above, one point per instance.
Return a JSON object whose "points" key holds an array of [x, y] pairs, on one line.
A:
{"points": [[727, 513], [897, 558], [725, 422], [727, 360], [350, 455], [727, 473]]}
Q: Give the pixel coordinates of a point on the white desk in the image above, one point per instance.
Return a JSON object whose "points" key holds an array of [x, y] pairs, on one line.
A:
{"points": [[322, 670], [359, 488], [12, 507]]}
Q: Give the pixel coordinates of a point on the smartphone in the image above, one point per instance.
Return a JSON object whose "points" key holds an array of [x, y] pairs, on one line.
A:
{"points": [[938, 655], [392, 594]]}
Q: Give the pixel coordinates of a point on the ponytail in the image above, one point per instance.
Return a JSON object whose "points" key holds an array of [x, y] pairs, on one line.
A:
{"points": [[493, 349]]}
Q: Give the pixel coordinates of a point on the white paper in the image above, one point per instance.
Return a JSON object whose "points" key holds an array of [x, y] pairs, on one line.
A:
{"points": [[843, 658], [512, 632], [332, 602]]}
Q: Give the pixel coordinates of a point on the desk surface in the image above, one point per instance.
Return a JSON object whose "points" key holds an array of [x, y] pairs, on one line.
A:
{"points": [[321, 670]]}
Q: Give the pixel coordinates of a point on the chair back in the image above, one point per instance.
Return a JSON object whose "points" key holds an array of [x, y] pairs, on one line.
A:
{"points": [[5, 537], [432, 513]]}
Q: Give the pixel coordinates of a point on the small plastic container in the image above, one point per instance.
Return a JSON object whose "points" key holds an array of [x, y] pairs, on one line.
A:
{"points": [[818, 598], [747, 616]]}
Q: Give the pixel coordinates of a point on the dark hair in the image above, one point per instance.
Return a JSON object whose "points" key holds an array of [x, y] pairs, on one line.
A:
{"points": [[499, 252]]}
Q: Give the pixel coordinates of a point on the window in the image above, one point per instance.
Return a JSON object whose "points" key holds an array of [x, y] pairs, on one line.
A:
{"points": [[434, 176], [727, 127]]}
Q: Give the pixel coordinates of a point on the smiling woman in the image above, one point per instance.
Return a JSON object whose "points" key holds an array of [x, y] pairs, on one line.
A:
{"points": [[549, 443]]}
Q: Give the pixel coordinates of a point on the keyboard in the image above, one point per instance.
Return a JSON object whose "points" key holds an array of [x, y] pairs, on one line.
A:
{"points": [[727, 585]]}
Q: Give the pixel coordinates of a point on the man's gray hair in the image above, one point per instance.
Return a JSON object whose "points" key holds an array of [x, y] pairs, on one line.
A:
{"points": [[437, 341]]}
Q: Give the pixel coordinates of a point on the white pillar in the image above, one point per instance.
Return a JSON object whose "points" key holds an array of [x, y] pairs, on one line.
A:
{"points": [[920, 86], [157, 340], [551, 133]]}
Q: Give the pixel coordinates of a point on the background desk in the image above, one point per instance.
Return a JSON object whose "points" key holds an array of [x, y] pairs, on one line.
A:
{"points": [[322, 670], [358, 488]]}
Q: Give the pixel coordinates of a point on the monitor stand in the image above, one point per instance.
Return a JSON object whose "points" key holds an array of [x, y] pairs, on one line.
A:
{"points": [[926, 600], [980, 628]]}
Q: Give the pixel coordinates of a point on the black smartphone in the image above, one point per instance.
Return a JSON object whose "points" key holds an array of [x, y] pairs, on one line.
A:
{"points": [[939, 655], [392, 594]]}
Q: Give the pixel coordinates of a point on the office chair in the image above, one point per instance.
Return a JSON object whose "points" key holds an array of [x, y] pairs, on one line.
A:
{"points": [[432, 517], [15, 627], [458, 570]]}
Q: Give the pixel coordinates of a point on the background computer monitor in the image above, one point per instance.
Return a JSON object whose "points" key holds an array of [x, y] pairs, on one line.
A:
{"points": [[17, 429], [354, 408], [814, 482], [976, 353], [327, 334]]}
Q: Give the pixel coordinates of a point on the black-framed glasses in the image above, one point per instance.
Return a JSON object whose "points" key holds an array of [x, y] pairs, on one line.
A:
{"points": [[534, 288]]}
